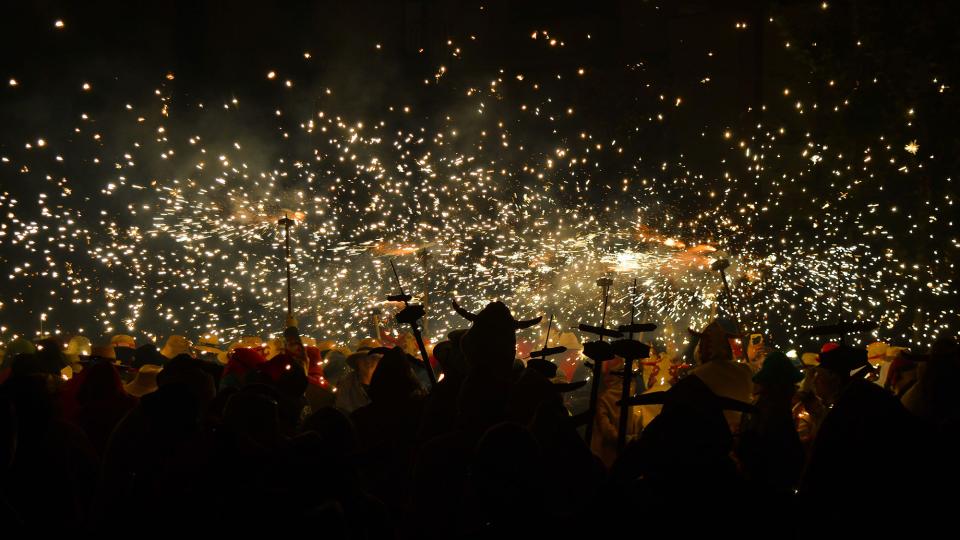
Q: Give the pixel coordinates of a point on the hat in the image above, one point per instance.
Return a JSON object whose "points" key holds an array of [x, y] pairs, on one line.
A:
{"points": [[547, 370], [355, 357], [534, 378], [714, 341], [209, 343], [877, 352], [544, 366], [103, 351], [275, 367], [144, 382], [246, 342], [176, 345], [777, 369], [123, 340], [308, 341], [492, 334], [829, 346], [315, 366], [843, 359], [569, 340], [78, 346], [365, 344], [691, 392], [20, 346], [809, 359], [148, 354]]}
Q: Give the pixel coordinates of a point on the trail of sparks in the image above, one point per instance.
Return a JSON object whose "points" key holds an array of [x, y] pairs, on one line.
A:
{"points": [[503, 200]]}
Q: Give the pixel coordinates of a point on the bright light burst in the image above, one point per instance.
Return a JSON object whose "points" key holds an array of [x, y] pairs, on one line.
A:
{"points": [[502, 199]]}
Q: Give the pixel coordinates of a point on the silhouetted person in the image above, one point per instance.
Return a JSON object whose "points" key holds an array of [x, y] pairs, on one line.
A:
{"points": [[53, 473], [864, 428], [387, 428], [686, 449], [769, 448], [506, 485], [102, 402]]}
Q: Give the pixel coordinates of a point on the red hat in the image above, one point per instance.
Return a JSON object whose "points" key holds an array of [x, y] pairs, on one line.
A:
{"points": [[241, 360], [315, 368], [829, 346], [275, 367]]}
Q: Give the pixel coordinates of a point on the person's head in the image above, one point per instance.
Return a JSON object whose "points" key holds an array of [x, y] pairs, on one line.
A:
{"points": [[393, 378], [185, 370], [253, 414], [16, 347], [828, 383], [274, 347], [833, 373], [335, 429], [292, 342], [777, 379], [365, 364], [713, 344], [101, 380], [491, 341]]}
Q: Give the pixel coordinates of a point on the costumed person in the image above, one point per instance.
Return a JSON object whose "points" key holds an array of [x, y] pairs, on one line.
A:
{"points": [[686, 449], [490, 344], [902, 375], [863, 428], [241, 363], [387, 427], [808, 410], [354, 387], [769, 448], [713, 354], [660, 377], [440, 409], [606, 425], [102, 401], [934, 397], [319, 394]]}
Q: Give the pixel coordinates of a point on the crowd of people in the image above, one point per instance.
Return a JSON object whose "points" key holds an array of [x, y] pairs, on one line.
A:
{"points": [[359, 442]]}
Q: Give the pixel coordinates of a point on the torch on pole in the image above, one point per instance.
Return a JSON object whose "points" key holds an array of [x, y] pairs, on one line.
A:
{"points": [[412, 314]]}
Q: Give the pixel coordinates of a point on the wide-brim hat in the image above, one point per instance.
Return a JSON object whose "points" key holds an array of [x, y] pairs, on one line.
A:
{"points": [[148, 354], [103, 351], [144, 382], [843, 359], [175, 346], [352, 359], [535, 377], [367, 344], [79, 346], [691, 391], [777, 369], [809, 359]]}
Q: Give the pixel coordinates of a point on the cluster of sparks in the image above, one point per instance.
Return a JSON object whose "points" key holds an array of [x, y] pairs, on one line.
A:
{"points": [[499, 200]]}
